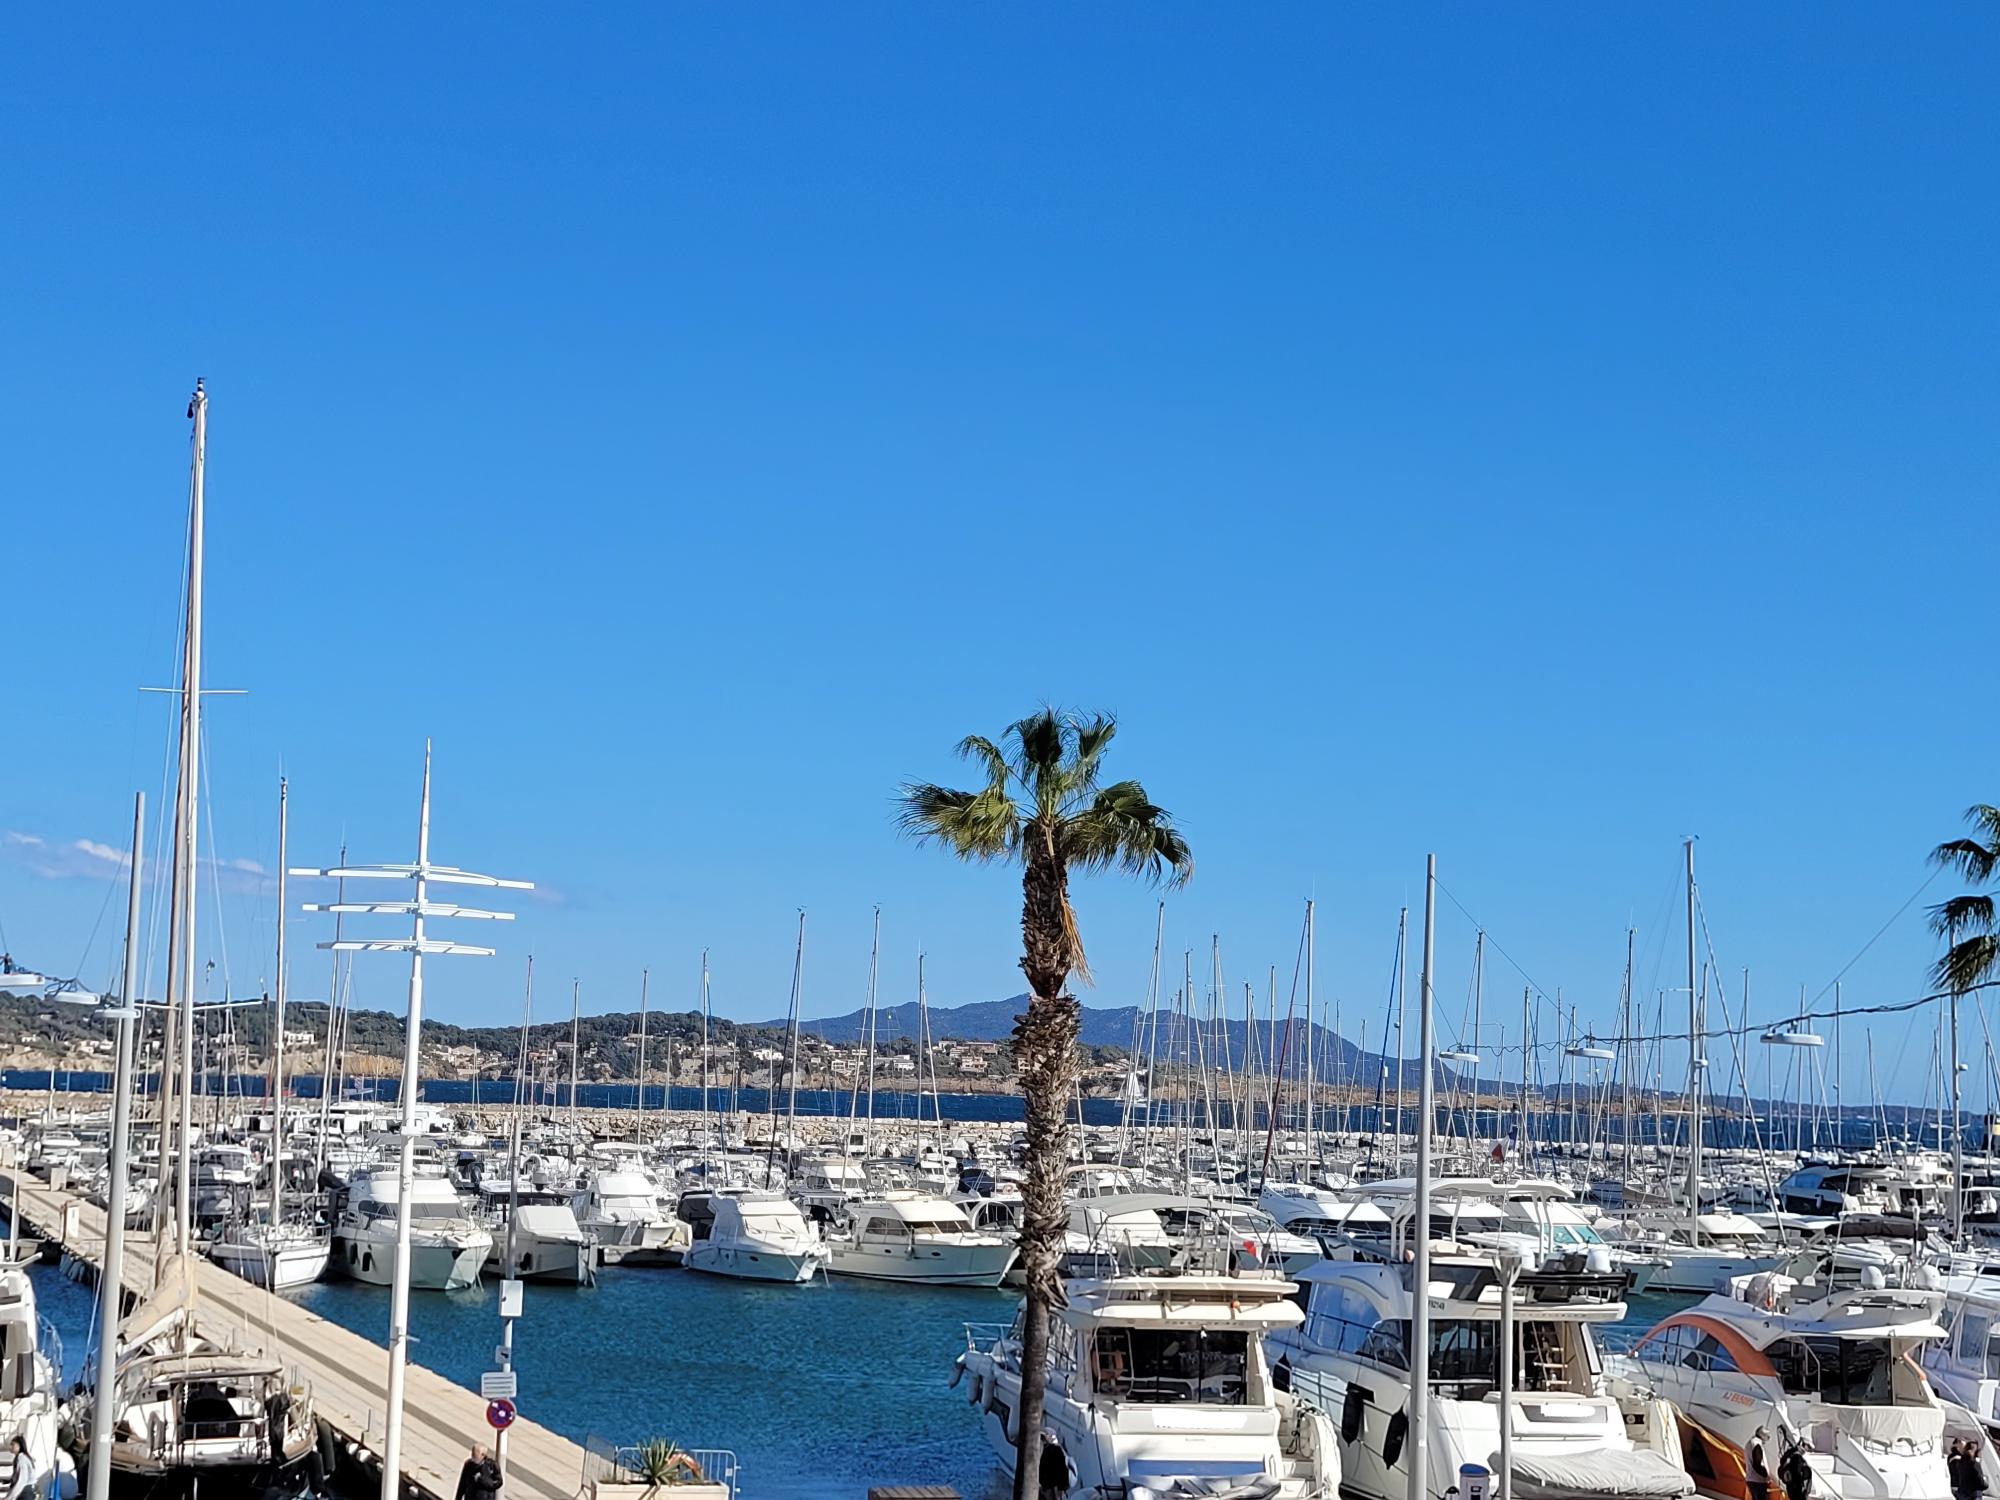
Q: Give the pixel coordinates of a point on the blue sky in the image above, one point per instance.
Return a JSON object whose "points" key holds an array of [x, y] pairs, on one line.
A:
{"points": [[1528, 435]]}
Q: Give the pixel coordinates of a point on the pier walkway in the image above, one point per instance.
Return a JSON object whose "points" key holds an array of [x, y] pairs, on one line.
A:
{"points": [[348, 1373]]}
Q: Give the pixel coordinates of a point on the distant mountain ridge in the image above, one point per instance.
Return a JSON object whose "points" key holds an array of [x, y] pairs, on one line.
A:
{"points": [[993, 1021]]}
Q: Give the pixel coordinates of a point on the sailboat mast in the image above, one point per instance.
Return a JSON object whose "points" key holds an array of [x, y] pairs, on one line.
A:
{"points": [[1402, 986], [1312, 1042], [639, 1111], [278, 1032], [1695, 1061], [1478, 997], [704, 1039], [874, 970], [181, 964], [406, 1161], [575, 1020], [1625, 1060]]}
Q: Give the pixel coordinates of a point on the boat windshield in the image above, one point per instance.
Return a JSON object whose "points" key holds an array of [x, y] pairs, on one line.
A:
{"points": [[1840, 1372], [1173, 1365]]}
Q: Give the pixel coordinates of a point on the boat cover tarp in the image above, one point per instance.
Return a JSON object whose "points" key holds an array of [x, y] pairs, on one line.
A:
{"points": [[1607, 1471]]}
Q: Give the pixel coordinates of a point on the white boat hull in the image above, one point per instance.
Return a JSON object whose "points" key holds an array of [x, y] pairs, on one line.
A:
{"points": [[1696, 1275], [438, 1267], [924, 1265], [750, 1263], [288, 1265]]}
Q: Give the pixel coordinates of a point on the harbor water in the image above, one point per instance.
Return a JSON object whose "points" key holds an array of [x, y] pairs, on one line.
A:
{"points": [[821, 1389]]}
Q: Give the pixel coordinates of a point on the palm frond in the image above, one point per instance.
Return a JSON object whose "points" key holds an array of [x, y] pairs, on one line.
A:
{"points": [[973, 825], [1093, 736], [1953, 919], [976, 747], [1975, 858], [1123, 828], [1968, 964], [1042, 743]]}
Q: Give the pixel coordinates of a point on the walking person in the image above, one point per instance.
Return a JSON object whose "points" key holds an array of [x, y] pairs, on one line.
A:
{"points": [[479, 1479]]}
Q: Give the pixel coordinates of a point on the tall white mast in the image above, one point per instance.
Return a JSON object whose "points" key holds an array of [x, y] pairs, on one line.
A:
{"points": [[639, 1124], [704, 1039], [874, 961], [417, 945], [1311, 1042], [181, 941], [1402, 987], [1420, 1264], [278, 1033], [575, 1014], [1696, 1062]]}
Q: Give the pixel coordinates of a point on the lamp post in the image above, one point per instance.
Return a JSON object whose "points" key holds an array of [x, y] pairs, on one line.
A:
{"points": [[1510, 1270]]}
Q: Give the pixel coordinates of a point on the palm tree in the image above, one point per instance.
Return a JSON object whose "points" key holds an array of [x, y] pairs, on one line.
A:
{"points": [[1967, 923], [1042, 807]]}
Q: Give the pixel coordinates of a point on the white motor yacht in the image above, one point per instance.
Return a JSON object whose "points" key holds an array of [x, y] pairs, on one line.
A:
{"points": [[622, 1210], [29, 1361], [546, 1244], [1159, 1385], [751, 1235], [1965, 1366], [1833, 1371], [1702, 1253], [446, 1248], [916, 1238], [1571, 1434]]}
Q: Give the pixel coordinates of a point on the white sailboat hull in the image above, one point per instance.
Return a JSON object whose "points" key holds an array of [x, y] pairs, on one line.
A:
{"points": [[292, 1264]]}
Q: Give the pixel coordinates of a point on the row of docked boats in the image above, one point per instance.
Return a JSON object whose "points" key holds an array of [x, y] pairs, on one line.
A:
{"points": [[1857, 1377], [1859, 1357]]}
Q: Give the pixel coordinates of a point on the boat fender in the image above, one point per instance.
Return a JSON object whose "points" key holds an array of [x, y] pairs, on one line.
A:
{"points": [[329, 1449], [1350, 1413], [957, 1372], [1392, 1439]]}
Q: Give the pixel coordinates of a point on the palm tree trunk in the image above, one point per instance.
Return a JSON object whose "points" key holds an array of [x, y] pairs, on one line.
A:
{"points": [[1045, 1061]]}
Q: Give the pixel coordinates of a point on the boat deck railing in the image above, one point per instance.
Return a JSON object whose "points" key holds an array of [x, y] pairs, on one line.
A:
{"points": [[979, 1337]]}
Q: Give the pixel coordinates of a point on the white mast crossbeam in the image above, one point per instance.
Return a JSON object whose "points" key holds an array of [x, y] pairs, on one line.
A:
{"points": [[448, 874], [403, 945], [408, 909]]}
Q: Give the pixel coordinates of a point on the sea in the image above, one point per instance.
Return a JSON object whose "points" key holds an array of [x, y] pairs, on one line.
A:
{"points": [[820, 1390]]}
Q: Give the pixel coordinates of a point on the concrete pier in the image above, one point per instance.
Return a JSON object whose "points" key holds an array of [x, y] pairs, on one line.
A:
{"points": [[347, 1373]]}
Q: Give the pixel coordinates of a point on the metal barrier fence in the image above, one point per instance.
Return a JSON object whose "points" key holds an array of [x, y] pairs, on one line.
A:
{"points": [[610, 1464]]}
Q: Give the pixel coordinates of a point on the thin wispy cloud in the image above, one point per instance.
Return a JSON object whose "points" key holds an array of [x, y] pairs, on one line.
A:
{"points": [[93, 859], [119, 859]]}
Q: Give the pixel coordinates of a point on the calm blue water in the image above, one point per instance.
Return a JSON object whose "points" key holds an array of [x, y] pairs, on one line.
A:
{"points": [[822, 1390]]}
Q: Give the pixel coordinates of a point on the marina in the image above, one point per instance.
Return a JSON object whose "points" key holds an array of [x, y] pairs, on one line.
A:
{"points": [[1000, 753]]}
